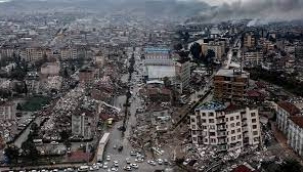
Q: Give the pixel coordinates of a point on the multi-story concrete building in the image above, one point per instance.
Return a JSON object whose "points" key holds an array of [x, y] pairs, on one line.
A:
{"points": [[7, 111], [231, 85], [252, 58], [284, 111], [225, 126], [33, 54], [82, 124], [73, 52], [249, 40], [217, 47], [299, 51], [183, 72], [295, 134]]}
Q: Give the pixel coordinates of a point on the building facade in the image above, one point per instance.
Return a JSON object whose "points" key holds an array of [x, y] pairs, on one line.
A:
{"points": [[249, 40], [252, 58], [230, 85], [183, 72], [226, 127], [82, 125], [284, 111], [295, 134]]}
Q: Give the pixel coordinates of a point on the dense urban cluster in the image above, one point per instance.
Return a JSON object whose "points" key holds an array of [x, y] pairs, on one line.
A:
{"points": [[83, 91]]}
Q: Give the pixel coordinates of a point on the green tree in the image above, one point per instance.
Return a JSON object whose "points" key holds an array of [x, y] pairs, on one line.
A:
{"points": [[19, 107], [290, 165], [29, 150], [12, 153]]}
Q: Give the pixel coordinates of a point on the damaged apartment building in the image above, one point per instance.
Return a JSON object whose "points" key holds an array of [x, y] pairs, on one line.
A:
{"points": [[226, 127]]}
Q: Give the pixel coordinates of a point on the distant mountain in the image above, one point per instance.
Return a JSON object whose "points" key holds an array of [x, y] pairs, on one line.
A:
{"points": [[148, 8]]}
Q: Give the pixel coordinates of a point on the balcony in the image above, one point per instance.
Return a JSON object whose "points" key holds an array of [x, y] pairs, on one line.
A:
{"points": [[220, 122]]}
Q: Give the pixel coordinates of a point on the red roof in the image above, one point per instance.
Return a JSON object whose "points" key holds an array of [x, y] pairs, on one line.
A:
{"points": [[289, 107], [243, 168], [253, 93], [298, 120]]}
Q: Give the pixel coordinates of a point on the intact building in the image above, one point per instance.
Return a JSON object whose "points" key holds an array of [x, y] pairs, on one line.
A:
{"points": [[227, 127], [82, 124], [295, 134], [249, 40], [183, 72], [231, 85], [285, 110], [252, 58]]}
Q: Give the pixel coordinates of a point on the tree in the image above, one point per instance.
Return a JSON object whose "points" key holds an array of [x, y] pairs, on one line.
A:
{"points": [[19, 107], [12, 153], [195, 50], [29, 150], [178, 46], [290, 165], [167, 82]]}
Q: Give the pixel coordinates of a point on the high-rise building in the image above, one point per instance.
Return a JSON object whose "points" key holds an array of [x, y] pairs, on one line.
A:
{"points": [[82, 124], [249, 40], [183, 72], [230, 85], [227, 127], [295, 134]]}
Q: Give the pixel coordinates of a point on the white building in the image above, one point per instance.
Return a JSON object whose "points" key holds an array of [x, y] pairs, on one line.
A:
{"points": [[183, 72], [295, 134], [82, 125], [252, 58], [229, 128], [7, 111], [50, 69], [284, 111]]}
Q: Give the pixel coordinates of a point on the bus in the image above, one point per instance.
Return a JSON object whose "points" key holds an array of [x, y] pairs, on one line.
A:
{"points": [[101, 146]]}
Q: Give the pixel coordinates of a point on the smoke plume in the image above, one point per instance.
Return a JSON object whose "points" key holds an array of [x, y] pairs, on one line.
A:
{"points": [[260, 11]]}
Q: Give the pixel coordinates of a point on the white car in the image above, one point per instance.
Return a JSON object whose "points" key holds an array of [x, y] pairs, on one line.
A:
{"points": [[116, 163], [186, 161], [114, 169], [127, 160], [160, 161], [151, 162], [127, 168], [107, 158], [105, 165], [135, 166]]}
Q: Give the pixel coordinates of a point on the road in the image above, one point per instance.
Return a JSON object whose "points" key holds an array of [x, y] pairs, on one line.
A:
{"points": [[117, 138]]}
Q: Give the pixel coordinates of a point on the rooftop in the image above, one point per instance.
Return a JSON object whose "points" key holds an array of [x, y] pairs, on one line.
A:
{"points": [[289, 107], [231, 73], [213, 105], [298, 120], [156, 50], [243, 168]]}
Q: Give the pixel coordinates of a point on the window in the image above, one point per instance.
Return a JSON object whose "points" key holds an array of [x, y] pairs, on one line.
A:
{"points": [[212, 127], [254, 126], [226, 119], [239, 130], [212, 133], [211, 121], [232, 125], [238, 124], [194, 132], [237, 117], [255, 133], [239, 136], [254, 120], [211, 114], [204, 114], [193, 126], [204, 127], [204, 120], [206, 140], [233, 138], [193, 120], [253, 114], [256, 139], [195, 139], [232, 131], [231, 118], [213, 140]]}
